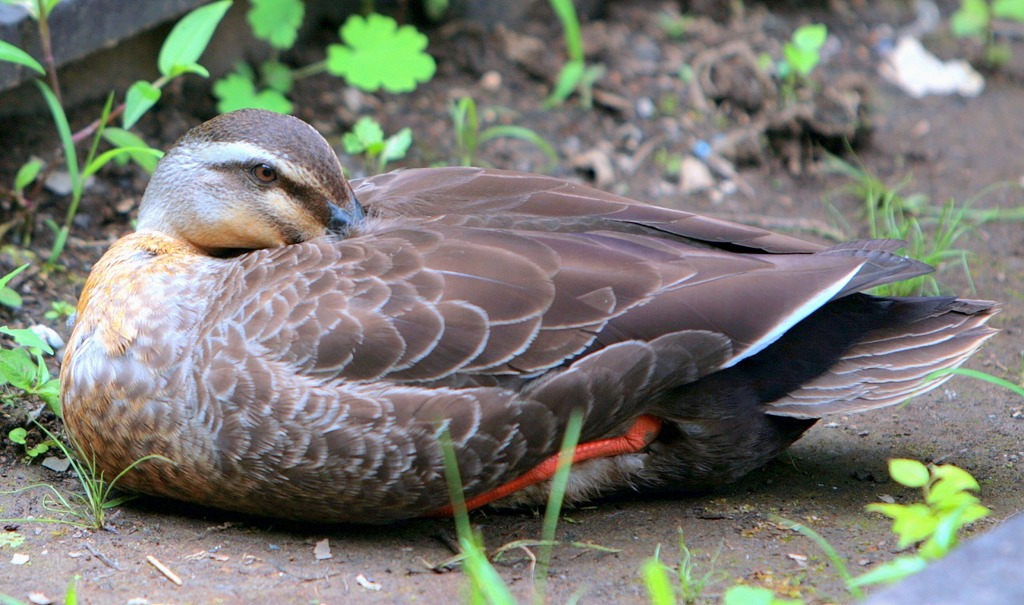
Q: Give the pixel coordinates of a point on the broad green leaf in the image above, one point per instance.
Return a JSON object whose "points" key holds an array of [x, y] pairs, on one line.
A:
{"points": [[396, 146], [26, 174], [366, 133], [949, 480], [189, 38], [140, 97], [379, 54], [17, 368], [237, 91], [1009, 9], [971, 19], [13, 54], [277, 76], [912, 523], [910, 473], [810, 37], [276, 21], [27, 338], [50, 393], [124, 139], [10, 299], [12, 539], [18, 435]]}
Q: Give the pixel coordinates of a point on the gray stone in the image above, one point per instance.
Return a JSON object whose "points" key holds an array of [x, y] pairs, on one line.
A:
{"points": [[988, 570]]}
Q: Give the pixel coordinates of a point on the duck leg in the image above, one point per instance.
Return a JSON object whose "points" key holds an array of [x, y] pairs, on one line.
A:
{"points": [[642, 433]]}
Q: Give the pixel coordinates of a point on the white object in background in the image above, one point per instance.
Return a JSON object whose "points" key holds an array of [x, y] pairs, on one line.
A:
{"points": [[919, 73]]}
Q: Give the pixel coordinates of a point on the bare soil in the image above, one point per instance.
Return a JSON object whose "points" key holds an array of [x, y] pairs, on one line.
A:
{"points": [[644, 119]]}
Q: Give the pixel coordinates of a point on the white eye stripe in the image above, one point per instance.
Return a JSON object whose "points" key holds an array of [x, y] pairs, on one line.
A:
{"points": [[235, 152]]}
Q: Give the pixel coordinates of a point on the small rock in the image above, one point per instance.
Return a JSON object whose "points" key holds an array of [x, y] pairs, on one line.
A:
{"points": [[137, 601], [491, 81], [57, 464], [38, 598], [322, 550], [48, 335], [19, 559], [367, 583], [694, 176]]}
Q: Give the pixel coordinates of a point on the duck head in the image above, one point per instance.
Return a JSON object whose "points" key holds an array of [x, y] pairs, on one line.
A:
{"points": [[247, 180]]}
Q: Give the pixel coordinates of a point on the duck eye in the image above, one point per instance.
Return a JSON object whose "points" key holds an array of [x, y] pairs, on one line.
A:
{"points": [[264, 173]]}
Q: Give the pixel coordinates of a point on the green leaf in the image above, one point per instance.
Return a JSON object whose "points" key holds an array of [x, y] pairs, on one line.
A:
{"points": [[50, 393], [659, 587], [753, 595], [11, 539], [276, 21], [894, 570], [60, 120], [565, 10], [11, 275], [26, 174], [810, 37], [140, 97], [366, 133], [237, 91], [523, 134], [1008, 9], [104, 158], [13, 54], [396, 145], [568, 79], [379, 54], [971, 19], [189, 38], [27, 338], [17, 368], [949, 481], [10, 299], [910, 473], [18, 435], [277, 76], [143, 155]]}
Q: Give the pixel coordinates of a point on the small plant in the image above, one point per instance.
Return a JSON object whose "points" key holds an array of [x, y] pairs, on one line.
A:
{"points": [[24, 368], [60, 309], [659, 585], [367, 137], [20, 436], [375, 53], [178, 55], [801, 54], [755, 595], [975, 18], [468, 136], [933, 526], [892, 215], [576, 75], [486, 585], [88, 509], [8, 296]]}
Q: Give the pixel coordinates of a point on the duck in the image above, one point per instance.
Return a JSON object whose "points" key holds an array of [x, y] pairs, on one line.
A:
{"points": [[293, 345]]}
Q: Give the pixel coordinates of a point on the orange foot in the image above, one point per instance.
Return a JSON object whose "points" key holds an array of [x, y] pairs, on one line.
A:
{"points": [[640, 435]]}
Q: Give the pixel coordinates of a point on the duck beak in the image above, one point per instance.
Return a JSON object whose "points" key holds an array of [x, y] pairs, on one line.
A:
{"points": [[342, 219]]}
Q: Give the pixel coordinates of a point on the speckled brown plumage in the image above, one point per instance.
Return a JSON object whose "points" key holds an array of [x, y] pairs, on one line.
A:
{"points": [[297, 353]]}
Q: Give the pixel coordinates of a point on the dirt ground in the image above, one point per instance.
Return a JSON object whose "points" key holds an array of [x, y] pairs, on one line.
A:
{"points": [[645, 118]]}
